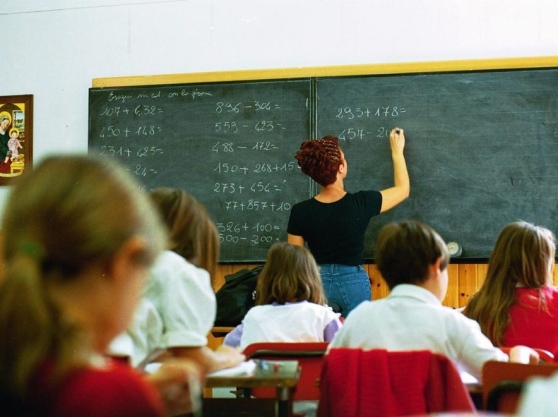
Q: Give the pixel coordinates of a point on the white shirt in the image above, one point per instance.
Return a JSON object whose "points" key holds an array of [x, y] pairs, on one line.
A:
{"points": [[291, 322], [412, 318], [538, 398], [178, 309]]}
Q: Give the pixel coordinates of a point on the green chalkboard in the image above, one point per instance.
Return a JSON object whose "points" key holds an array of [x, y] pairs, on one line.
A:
{"points": [[231, 145], [482, 148]]}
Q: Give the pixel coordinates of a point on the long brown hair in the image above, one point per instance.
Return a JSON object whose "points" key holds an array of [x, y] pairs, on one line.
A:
{"points": [[69, 213], [522, 256], [290, 275], [193, 235]]}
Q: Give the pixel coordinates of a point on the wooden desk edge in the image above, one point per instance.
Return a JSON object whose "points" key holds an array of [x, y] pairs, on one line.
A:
{"points": [[255, 380], [221, 331]]}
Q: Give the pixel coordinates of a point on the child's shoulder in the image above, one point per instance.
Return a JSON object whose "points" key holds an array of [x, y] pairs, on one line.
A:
{"points": [[78, 388]]}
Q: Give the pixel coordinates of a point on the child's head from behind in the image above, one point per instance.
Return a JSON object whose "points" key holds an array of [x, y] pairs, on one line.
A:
{"points": [[65, 225], [523, 254], [406, 250], [193, 234], [290, 275], [78, 210]]}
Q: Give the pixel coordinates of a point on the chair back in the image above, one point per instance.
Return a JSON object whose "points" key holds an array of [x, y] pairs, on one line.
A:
{"points": [[309, 356], [381, 383], [502, 383]]}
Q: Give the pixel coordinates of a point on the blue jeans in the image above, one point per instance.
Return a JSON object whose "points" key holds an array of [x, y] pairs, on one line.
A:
{"points": [[345, 286]]}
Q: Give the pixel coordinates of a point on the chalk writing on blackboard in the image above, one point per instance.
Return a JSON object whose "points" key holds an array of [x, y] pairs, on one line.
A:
{"points": [[231, 145], [481, 148]]}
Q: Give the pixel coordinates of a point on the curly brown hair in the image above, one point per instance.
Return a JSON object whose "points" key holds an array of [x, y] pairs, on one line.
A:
{"points": [[320, 159]]}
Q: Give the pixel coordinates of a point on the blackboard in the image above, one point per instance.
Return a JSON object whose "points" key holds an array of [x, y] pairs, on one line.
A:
{"points": [[482, 148], [231, 145]]}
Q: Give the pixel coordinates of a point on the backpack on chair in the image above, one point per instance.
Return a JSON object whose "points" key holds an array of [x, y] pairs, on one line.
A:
{"points": [[236, 296]]}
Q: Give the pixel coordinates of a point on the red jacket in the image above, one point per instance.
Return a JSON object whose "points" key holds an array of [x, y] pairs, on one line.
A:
{"points": [[378, 383]]}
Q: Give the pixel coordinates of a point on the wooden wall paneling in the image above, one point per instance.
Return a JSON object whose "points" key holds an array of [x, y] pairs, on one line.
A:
{"points": [[481, 275], [379, 287], [467, 283], [464, 280], [452, 296]]}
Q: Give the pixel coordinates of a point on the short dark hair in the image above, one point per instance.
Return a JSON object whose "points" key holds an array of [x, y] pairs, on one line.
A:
{"points": [[405, 250]]}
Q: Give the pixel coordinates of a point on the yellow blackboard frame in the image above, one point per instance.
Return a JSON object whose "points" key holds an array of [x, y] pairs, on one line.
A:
{"points": [[329, 71]]}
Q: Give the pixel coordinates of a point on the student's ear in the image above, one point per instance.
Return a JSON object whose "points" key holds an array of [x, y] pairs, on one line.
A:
{"points": [[439, 279], [436, 267]]}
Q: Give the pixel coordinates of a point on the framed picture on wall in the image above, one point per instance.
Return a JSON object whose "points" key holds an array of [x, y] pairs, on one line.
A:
{"points": [[16, 136]]}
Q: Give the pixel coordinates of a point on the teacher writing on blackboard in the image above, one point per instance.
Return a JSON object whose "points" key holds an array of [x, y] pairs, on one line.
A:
{"points": [[334, 222]]}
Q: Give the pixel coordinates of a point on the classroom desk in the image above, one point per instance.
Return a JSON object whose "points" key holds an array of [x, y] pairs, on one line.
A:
{"points": [[283, 378], [220, 331]]}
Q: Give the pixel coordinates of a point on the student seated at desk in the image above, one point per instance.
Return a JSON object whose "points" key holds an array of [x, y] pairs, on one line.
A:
{"points": [[290, 302], [78, 243], [179, 305], [517, 303], [413, 260]]}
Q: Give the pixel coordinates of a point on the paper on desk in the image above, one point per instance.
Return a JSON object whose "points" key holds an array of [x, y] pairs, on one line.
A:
{"points": [[244, 368], [467, 378], [152, 367]]}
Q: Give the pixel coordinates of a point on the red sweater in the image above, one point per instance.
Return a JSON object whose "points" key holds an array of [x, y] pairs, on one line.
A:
{"points": [[379, 383], [115, 390], [530, 325]]}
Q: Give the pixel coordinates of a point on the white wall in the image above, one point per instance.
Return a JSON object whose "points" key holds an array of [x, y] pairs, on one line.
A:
{"points": [[54, 48]]}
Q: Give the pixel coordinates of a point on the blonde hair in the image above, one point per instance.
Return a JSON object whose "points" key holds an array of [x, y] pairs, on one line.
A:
{"points": [[290, 274], [193, 235], [523, 254], [69, 213]]}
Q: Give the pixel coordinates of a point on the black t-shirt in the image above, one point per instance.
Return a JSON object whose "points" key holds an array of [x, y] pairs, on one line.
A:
{"points": [[335, 231]]}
